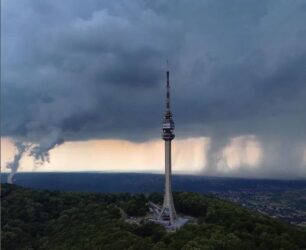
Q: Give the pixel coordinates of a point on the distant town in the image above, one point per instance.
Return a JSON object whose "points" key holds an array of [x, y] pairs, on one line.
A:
{"points": [[288, 205]]}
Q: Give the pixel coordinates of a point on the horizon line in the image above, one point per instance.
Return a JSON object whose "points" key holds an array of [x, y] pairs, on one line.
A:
{"points": [[180, 173]]}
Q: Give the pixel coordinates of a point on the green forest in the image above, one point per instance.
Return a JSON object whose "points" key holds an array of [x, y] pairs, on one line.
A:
{"points": [[35, 219]]}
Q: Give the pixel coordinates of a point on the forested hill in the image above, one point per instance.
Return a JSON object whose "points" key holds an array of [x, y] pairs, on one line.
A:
{"points": [[34, 219]]}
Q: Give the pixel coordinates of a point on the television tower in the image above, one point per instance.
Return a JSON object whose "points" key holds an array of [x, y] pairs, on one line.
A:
{"points": [[168, 213]]}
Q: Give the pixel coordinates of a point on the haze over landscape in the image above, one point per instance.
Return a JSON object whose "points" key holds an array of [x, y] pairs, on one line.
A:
{"points": [[85, 81]]}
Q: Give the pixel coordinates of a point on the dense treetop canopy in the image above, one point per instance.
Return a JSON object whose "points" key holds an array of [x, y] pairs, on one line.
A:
{"points": [[33, 219]]}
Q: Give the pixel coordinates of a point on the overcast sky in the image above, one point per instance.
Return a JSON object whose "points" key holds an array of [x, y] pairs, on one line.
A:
{"points": [[95, 70]]}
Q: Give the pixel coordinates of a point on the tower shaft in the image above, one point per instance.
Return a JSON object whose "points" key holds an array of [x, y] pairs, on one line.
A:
{"points": [[168, 212]]}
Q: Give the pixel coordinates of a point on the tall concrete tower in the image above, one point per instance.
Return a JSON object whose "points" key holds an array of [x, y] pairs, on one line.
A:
{"points": [[168, 213]]}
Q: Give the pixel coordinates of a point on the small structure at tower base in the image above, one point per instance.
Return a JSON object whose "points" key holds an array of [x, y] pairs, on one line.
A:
{"points": [[176, 224]]}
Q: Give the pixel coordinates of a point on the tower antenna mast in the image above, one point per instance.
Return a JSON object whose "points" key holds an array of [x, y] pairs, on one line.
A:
{"points": [[168, 88]]}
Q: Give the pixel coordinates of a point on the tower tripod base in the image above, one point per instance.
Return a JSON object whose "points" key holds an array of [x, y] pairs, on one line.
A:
{"points": [[161, 216]]}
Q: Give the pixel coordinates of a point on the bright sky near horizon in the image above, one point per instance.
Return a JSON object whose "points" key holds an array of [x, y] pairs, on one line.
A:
{"points": [[189, 156]]}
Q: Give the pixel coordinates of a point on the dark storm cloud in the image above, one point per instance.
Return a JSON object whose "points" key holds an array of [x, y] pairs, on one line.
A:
{"points": [[96, 69]]}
